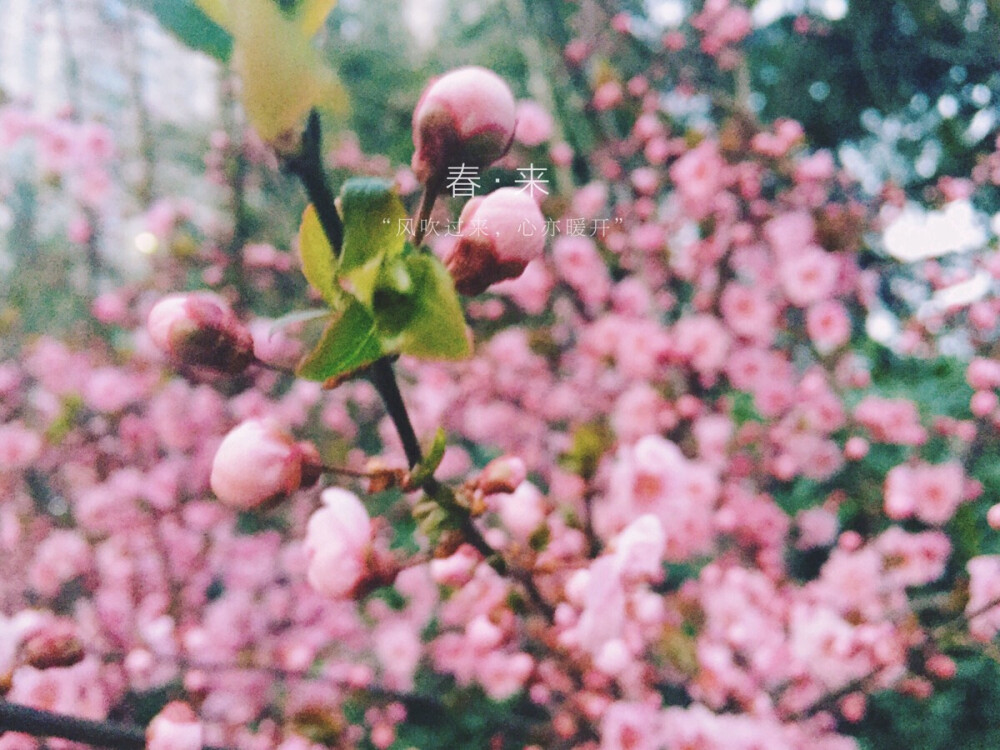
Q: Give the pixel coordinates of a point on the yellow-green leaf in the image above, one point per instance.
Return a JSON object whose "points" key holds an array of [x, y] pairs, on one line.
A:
{"points": [[282, 73], [312, 14], [374, 218], [349, 343], [437, 327], [318, 262]]}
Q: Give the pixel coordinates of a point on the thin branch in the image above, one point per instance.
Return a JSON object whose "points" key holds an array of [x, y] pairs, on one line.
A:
{"points": [[307, 165], [18, 718], [384, 380]]}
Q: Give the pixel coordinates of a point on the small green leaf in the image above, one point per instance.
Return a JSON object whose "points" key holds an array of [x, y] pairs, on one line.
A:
{"points": [[437, 328], [393, 298], [349, 343], [319, 265], [373, 218], [426, 468], [590, 442], [187, 22]]}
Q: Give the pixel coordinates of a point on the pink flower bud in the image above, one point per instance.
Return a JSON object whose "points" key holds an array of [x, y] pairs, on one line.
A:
{"points": [[941, 666], [56, 644], [852, 707], [502, 474], [466, 117], [176, 727], [338, 543], [199, 329], [983, 403], [255, 463], [993, 517], [501, 233]]}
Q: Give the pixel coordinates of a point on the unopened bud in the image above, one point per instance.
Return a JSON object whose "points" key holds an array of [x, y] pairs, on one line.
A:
{"points": [[200, 330], [55, 645], [501, 233], [338, 545], [465, 117], [257, 461], [502, 474]]}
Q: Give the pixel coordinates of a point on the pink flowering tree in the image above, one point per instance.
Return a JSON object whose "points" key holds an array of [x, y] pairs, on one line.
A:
{"points": [[606, 461]]}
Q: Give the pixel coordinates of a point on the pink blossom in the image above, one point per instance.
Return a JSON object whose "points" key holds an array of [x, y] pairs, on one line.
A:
{"points": [[639, 549], [503, 474], [590, 200], [983, 403], [522, 511], [254, 463], [817, 167], [891, 420], [748, 312], [398, 648], [607, 96], [200, 329], [631, 726], [913, 559], [466, 117], [828, 325], [19, 446], [702, 341], [808, 276], [176, 727], [502, 675], [529, 291], [338, 539], [698, 176], [62, 556], [983, 374], [931, 492], [534, 124], [501, 233], [580, 266], [790, 233], [984, 591], [817, 528]]}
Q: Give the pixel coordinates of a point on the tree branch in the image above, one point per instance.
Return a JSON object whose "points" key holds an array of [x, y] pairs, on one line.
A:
{"points": [[307, 165], [18, 718]]}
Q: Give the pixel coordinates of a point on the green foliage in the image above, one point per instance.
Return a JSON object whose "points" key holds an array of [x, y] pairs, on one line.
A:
{"points": [[401, 300], [186, 20], [319, 265], [437, 328], [349, 343], [465, 719], [425, 470], [959, 715], [884, 60], [372, 214], [590, 442], [799, 495], [937, 383]]}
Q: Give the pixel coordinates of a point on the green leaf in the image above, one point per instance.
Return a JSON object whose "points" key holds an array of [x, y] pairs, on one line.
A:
{"points": [[373, 218], [437, 327], [349, 343], [319, 265], [393, 297], [426, 468], [186, 21]]}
